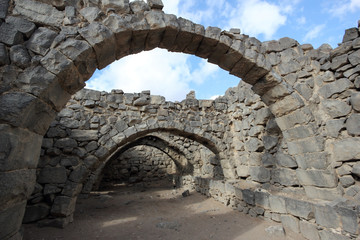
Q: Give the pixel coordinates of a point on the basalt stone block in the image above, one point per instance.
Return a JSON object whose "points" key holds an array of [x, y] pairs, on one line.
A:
{"points": [[309, 230], [349, 219], [66, 71], [329, 235], [346, 149], [248, 196], [4, 4], [11, 219], [63, 206], [4, 56], [355, 101], [317, 178], [84, 135], [19, 148], [155, 4], [299, 208], [10, 35], [335, 108], [284, 176], [260, 174], [350, 34], [37, 12], [25, 110], [53, 175], [16, 186], [36, 212], [41, 40], [20, 56], [102, 40], [22, 25], [79, 174], [335, 87], [139, 6], [356, 169], [353, 125], [91, 13]]}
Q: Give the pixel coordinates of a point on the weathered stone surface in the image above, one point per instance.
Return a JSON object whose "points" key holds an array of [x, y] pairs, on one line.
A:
{"points": [[335, 87], [346, 149], [290, 223], [335, 108], [10, 35], [22, 25], [353, 125], [4, 4], [16, 186], [354, 58], [79, 174], [333, 127], [68, 75], [4, 56], [309, 230], [24, 110], [355, 101], [63, 206], [20, 56], [84, 135], [36, 212], [328, 235], [102, 40], [349, 219], [11, 219], [39, 12], [277, 204], [270, 142], [66, 143], [350, 34], [155, 4], [18, 148], [284, 176], [260, 174], [317, 178], [285, 160], [91, 13], [356, 169], [52, 175], [253, 145], [307, 145], [299, 208]]}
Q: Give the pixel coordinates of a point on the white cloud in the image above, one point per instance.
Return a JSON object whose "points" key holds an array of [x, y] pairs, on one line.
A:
{"points": [[255, 17], [164, 73], [314, 32], [341, 7], [301, 20]]}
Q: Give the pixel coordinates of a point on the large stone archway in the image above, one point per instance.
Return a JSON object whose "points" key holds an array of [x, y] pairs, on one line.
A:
{"points": [[313, 93]]}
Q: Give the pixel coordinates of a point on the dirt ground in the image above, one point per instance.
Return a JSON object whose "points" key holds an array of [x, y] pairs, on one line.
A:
{"points": [[154, 213]]}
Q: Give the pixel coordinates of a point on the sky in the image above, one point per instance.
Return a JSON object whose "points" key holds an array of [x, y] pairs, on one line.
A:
{"points": [[173, 75]]}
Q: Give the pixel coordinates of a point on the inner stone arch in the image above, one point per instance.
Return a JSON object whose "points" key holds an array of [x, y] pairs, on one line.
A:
{"points": [[308, 91]]}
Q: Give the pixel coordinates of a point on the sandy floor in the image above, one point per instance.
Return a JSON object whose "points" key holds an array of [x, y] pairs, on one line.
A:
{"points": [[154, 213]]}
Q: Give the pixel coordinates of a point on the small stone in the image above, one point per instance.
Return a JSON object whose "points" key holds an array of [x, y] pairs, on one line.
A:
{"points": [[275, 231], [186, 193], [353, 124], [41, 40], [4, 57], [350, 34], [20, 56], [355, 101], [347, 181], [356, 169], [155, 4]]}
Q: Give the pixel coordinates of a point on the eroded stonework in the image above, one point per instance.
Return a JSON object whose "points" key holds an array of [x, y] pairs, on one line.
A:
{"points": [[287, 150]]}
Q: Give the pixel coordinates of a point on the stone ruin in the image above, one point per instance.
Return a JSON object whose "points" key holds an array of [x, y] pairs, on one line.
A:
{"points": [[282, 145]]}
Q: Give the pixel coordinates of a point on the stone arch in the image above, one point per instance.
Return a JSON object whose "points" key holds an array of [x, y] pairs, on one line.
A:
{"points": [[286, 76]]}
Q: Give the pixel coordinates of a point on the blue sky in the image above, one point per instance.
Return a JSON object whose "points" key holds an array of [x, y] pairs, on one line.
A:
{"points": [[173, 75]]}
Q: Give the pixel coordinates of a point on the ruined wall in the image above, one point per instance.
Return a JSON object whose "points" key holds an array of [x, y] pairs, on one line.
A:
{"points": [[49, 48]]}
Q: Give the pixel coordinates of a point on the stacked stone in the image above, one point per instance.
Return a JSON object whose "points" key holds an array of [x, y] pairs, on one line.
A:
{"points": [[49, 48], [139, 164]]}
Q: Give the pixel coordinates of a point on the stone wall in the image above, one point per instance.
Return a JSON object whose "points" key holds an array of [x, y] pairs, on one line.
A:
{"points": [[48, 49]]}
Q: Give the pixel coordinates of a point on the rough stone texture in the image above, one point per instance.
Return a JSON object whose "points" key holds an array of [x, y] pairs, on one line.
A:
{"points": [[278, 149], [352, 125]]}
